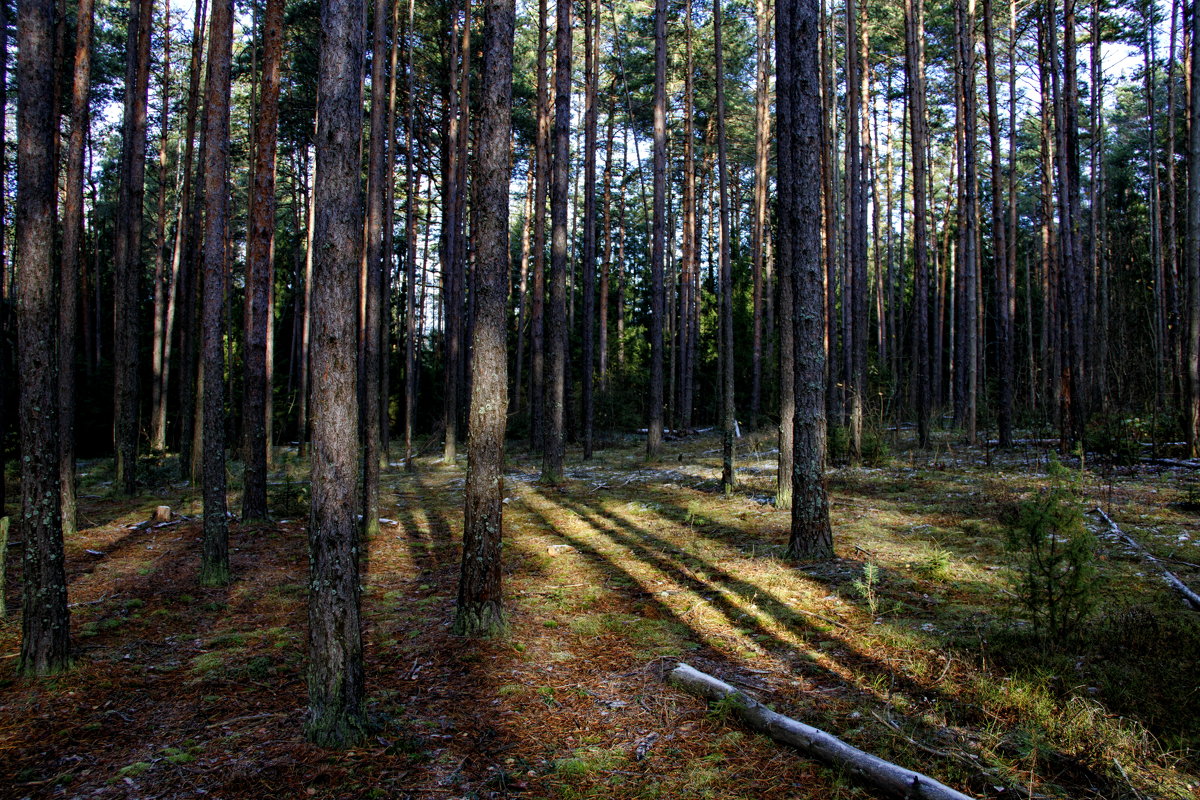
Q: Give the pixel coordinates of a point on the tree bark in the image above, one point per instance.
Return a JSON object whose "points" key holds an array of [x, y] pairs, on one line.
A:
{"points": [[1000, 252], [45, 619], [798, 77], [556, 327], [658, 235], [762, 145], [260, 273], [214, 563], [591, 48], [410, 227], [914, 38], [72, 256], [371, 332], [127, 247], [1193, 246], [728, 421], [537, 386], [158, 348], [452, 296], [479, 611], [336, 713]]}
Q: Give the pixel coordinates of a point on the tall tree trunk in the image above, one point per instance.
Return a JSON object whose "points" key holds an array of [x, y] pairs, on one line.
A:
{"points": [[967, 362], [1097, 204], [260, 273], [72, 256], [127, 247], [914, 39], [187, 242], [762, 143], [214, 564], [303, 395], [451, 231], [479, 611], [556, 327], [728, 477], [854, 302], [372, 346], [336, 713], [1193, 245], [691, 256], [158, 400], [591, 46], [606, 252], [658, 235], [799, 108], [1004, 331], [410, 228], [537, 386], [45, 619]]}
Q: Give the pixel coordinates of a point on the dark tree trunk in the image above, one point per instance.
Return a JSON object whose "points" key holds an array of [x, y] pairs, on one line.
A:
{"points": [[799, 108], [658, 235], [537, 386], [728, 421], [410, 228], [1004, 332], [591, 48], [479, 611], [186, 244], [1193, 244], [336, 714], [260, 272], [452, 295], [127, 247], [72, 257], [914, 38], [372, 345], [214, 564], [689, 267], [158, 349], [556, 327], [45, 624]]}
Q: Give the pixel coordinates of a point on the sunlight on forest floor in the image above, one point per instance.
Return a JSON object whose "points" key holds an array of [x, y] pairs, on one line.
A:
{"points": [[610, 580]]}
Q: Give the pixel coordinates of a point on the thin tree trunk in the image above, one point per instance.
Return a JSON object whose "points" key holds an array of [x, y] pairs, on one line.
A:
{"points": [[479, 611], [336, 713], [728, 477], [1193, 245], [451, 230], [691, 257], [654, 435], [799, 108], [72, 258], [537, 387], [762, 143], [45, 619], [158, 400], [914, 30], [260, 271], [410, 228], [127, 247], [556, 327], [591, 46], [1004, 332], [371, 332]]}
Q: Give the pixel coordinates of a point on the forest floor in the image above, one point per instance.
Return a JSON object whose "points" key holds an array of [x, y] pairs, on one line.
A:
{"points": [[180, 692]]}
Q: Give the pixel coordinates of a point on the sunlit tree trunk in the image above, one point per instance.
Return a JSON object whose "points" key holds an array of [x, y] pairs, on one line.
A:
{"points": [[658, 235], [591, 47], [479, 610], [158, 365], [728, 477], [556, 325], [914, 38]]}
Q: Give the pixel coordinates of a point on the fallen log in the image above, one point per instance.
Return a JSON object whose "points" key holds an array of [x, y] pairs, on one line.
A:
{"points": [[1191, 597], [889, 778]]}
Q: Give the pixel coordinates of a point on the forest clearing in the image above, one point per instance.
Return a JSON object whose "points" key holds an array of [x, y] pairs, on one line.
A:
{"points": [[610, 579]]}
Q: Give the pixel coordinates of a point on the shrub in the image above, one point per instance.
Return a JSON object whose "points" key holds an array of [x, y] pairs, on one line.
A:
{"points": [[1055, 579]]}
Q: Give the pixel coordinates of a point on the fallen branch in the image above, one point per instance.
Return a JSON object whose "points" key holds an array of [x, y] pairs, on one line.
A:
{"points": [[1191, 597], [893, 780]]}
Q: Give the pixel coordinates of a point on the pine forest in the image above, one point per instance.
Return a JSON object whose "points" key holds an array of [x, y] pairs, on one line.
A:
{"points": [[615, 399]]}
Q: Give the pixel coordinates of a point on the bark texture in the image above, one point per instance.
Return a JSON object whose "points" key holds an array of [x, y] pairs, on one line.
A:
{"points": [[336, 714], [479, 611], [45, 620]]}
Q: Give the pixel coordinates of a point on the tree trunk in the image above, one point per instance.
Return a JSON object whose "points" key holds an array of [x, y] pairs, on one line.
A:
{"points": [[72, 253], [854, 302], [537, 386], [914, 40], [336, 713], [451, 231], [158, 402], [479, 611], [1193, 246], [728, 477], [556, 327], [260, 273], [798, 77], [410, 228], [127, 247], [214, 564], [371, 331], [967, 362], [591, 47], [691, 256], [658, 235], [762, 144], [45, 623]]}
